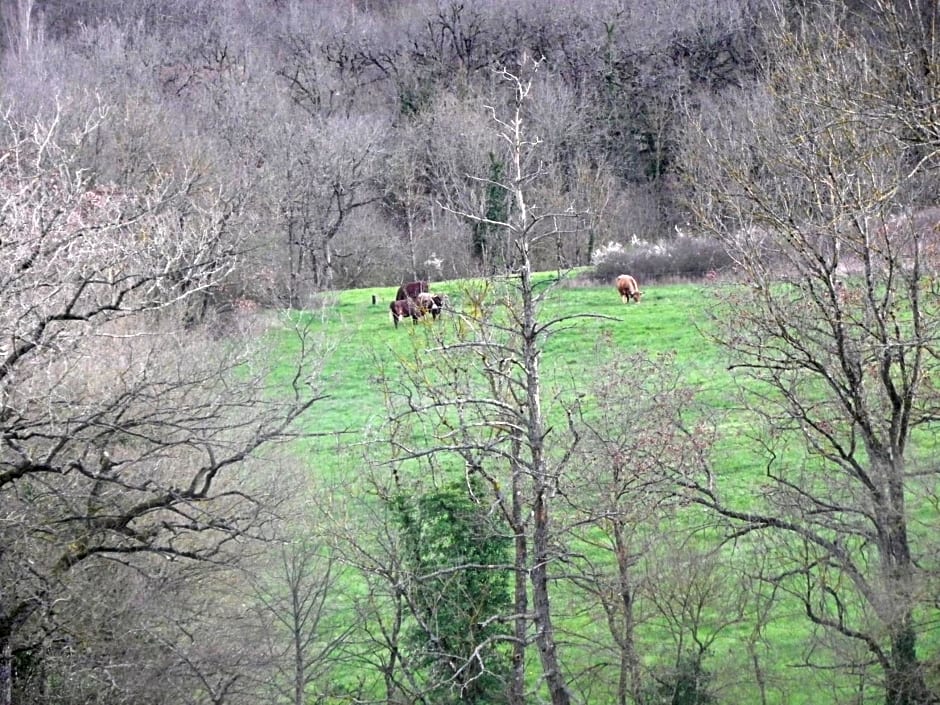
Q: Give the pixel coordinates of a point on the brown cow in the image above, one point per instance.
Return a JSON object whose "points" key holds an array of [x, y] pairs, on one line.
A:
{"points": [[628, 288], [411, 290], [404, 309]]}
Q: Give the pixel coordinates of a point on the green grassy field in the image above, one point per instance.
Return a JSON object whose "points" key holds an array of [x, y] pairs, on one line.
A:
{"points": [[360, 339], [361, 344]]}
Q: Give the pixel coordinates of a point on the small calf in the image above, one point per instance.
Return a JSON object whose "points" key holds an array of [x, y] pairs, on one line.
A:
{"points": [[431, 303]]}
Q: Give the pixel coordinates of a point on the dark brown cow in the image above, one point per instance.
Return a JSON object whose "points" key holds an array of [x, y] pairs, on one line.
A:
{"points": [[628, 288], [404, 309], [411, 290]]}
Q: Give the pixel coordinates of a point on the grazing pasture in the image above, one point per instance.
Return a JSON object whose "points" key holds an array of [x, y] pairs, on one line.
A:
{"points": [[360, 340], [362, 350], [360, 343]]}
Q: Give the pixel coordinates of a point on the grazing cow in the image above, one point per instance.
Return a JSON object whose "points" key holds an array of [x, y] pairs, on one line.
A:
{"points": [[431, 303], [411, 290], [404, 309], [628, 288]]}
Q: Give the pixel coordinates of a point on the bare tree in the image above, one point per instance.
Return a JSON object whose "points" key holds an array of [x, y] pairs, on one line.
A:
{"points": [[459, 142], [160, 632], [21, 29], [488, 396], [326, 173], [622, 504], [121, 433], [354, 517], [294, 594], [814, 181], [407, 194]]}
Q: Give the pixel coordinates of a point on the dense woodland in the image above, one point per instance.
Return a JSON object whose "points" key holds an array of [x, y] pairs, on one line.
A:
{"points": [[176, 175]]}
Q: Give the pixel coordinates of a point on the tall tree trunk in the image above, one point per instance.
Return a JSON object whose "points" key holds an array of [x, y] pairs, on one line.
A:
{"points": [[328, 265], [629, 682], [521, 592], [299, 679], [904, 679], [541, 533], [295, 261], [6, 670], [411, 245], [544, 628], [393, 694], [10, 623]]}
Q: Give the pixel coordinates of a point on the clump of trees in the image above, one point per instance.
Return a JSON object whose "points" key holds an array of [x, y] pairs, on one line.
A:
{"points": [[348, 126], [824, 164], [124, 430], [692, 257]]}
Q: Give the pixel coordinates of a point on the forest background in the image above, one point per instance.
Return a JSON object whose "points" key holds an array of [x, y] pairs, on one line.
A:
{"points": [[191, 194]]}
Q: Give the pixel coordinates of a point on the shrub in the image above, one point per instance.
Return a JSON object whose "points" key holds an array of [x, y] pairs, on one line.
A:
{"points": [[685, 684], [683, 256], [606, 252]]}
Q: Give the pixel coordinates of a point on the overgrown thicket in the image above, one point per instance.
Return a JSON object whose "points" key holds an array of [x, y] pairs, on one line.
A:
{"points": [[168, 166], [125, 432], [350, 124]]}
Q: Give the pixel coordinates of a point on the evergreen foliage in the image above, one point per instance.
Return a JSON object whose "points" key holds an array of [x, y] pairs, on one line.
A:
{"points": [[459, 587]]}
